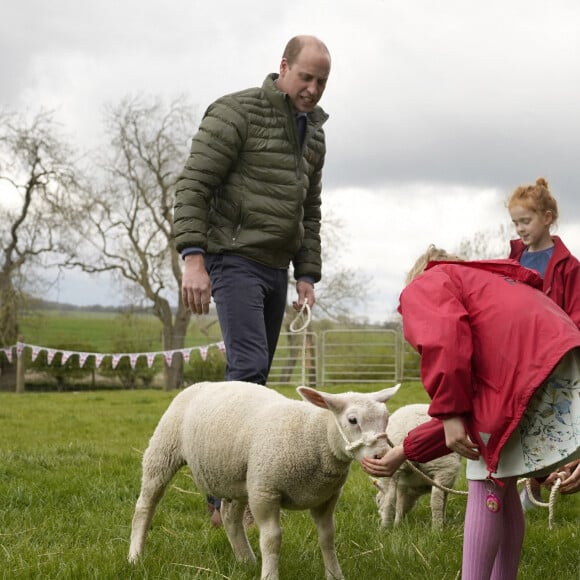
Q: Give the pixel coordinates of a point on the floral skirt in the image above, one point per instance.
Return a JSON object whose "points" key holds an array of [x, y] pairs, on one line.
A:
{"points": [[548, 435]]}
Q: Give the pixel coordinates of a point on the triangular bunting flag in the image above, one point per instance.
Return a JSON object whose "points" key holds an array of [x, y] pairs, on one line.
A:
{"points": [[8, 353], [150, 358], [83, 356]]}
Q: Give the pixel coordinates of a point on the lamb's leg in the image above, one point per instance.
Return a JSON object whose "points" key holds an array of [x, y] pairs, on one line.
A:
{"points": [[267, 517], [323, 517], [232, 513], [406, 498], [389, 500], [160, 464], [438, 503]]}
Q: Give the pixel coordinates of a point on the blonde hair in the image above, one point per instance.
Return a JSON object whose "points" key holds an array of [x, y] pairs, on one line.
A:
{"points": [[432, 253], [536, 198]]}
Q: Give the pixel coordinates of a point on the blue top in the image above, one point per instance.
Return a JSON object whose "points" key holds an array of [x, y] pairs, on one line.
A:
{"points": [[537, 261]]}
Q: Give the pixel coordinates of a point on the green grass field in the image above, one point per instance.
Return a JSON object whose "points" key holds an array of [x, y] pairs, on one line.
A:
{"points": [[101, 331], [70, 476]]}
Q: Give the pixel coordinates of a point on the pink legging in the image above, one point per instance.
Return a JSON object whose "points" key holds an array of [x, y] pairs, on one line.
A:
{"points": [[492, 542]]}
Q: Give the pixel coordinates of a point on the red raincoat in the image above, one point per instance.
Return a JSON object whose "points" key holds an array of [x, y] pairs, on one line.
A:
{"points": [[561, 279], [488, 338]]}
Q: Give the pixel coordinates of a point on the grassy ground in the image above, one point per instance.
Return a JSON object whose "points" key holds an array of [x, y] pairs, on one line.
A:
{"points": [[102, 331], [70, 475]]}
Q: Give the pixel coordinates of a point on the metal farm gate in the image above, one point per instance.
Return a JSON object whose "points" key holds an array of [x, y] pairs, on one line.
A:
{"points": [[360, 356], [348, 356]]}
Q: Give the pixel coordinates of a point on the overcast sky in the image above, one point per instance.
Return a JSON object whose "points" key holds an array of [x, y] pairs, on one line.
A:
{"points": [[438, 110]]}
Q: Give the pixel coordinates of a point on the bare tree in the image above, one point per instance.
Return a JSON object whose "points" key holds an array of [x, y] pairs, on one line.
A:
{"points": [[36, 177], [339, 293], [342, 288], [126, 221], [487, 244]]}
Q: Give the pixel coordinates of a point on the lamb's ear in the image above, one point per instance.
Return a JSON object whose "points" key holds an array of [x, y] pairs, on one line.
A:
{"points": [[324, 400], [384, 395]]}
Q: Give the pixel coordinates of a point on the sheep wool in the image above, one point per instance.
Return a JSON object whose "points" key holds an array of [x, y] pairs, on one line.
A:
{"points": [[248, 444], [398, 494]]}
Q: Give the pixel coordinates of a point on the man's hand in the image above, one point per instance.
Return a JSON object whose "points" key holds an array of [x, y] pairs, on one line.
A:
{"points": [[305, 292], [457, 439], [195, 284], [387, 464]]}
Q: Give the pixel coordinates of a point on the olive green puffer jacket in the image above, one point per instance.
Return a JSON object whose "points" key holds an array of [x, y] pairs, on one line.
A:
{"points": [[248, 188]]}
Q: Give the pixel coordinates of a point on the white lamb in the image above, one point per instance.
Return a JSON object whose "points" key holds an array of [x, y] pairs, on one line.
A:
{"points": [[246, 443], [398, 494]]}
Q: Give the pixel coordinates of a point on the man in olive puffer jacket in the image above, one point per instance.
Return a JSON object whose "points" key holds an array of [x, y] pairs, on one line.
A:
{"points": [[248, 204]]}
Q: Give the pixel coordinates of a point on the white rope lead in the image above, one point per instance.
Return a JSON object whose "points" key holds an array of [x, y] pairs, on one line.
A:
{"points": [[428, 479], [305, 315], [551, 500], [307, 318]]}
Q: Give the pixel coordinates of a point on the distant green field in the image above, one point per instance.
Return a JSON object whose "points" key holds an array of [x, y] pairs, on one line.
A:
{"points": [[102, 331]]}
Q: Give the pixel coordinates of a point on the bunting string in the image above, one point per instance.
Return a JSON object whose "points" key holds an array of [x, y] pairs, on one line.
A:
{"points": [[115, 357]]}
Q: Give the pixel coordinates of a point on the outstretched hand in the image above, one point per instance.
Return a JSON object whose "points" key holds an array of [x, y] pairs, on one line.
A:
{"points": [[387, 464]]}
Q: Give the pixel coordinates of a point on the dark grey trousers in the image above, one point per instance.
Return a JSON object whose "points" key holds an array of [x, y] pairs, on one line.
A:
{"points": [[250, 299]]}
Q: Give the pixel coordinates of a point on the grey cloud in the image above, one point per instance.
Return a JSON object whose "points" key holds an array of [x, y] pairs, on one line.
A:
{"points": [[450, 93]]}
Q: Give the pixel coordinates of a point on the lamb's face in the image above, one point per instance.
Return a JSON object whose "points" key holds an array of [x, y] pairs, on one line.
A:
{"points": [[361, 418], [364, 424]]}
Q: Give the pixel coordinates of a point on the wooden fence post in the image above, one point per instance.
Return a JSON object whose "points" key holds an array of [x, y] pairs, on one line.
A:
{"points": [[20, 369]]}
